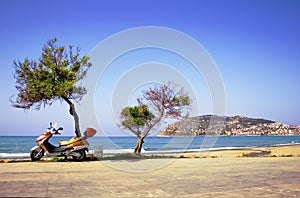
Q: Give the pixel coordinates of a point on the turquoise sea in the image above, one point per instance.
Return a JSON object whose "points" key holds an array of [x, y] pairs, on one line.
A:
{"points": [[19, 146]]}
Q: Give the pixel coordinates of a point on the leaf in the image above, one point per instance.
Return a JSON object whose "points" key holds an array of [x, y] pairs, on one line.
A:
{"points": [[54, 76]]}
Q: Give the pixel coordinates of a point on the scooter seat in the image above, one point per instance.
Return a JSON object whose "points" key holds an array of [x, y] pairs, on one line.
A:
{"points": [[67, 142], [63, 142]]}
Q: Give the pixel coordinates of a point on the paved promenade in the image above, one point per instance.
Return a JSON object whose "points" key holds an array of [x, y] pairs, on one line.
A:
{"points": [[220, 177]]}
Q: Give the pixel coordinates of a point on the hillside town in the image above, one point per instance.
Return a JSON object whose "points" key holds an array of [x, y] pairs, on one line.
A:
{"points": [[228, 126]]}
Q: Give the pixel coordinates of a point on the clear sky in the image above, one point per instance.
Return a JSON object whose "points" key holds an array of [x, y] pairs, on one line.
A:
{"points": [[255, 44]]}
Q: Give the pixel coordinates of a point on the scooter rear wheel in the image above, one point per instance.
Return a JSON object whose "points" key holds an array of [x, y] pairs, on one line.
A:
{"points": [[79, 157], [36, 154]]}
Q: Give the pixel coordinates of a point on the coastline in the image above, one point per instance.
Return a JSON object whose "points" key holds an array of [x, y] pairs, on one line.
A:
{"points": [[271, 151], [19, 147]]}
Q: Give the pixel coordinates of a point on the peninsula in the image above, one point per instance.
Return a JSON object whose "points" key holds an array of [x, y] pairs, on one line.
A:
{"points": [[228, 125]]}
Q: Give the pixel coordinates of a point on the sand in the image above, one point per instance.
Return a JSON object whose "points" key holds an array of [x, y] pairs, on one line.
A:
{"points": [[276, 151], [182, 177]]}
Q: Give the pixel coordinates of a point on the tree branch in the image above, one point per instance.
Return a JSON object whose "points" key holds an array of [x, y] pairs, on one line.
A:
{"points": [[157, 120]]}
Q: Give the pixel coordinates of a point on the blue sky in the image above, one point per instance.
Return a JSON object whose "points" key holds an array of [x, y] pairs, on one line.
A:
{"points": [[255, 44]]}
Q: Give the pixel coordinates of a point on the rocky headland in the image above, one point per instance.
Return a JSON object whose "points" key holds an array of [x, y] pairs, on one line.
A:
{"points": [[228, 125]]}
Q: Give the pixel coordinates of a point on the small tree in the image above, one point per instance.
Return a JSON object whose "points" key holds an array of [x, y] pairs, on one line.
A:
{"points": [[158, 103], [55, 76]]}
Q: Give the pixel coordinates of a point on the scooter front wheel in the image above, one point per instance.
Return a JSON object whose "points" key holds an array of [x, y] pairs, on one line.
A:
{"points": [[36, 154]]}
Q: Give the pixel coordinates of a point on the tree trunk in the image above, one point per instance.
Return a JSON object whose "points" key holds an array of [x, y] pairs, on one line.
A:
{"points": [[140, 141], [75, 116], [76, 120], [139, 145]]}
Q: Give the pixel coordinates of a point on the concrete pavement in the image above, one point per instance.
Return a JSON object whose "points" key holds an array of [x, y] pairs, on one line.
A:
{"points": [[230, 177]]}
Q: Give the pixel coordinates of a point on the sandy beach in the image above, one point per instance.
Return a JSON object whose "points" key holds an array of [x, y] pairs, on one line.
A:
{"points": [[233, 173], [276, 151]]}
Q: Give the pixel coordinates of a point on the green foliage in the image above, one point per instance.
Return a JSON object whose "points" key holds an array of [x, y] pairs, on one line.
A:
{"points": [[53, 76], [133, 118], [184, 100]]}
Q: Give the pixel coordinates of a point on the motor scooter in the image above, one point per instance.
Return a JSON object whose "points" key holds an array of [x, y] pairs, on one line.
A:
{"points": [[76, 147]]}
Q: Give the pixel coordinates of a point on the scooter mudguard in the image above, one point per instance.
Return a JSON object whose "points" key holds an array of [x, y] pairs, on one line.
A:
{"points": [[35, 147], [76, 148]]}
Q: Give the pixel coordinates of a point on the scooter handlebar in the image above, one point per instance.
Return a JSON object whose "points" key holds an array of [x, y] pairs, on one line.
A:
{"points": [[56, 131]]}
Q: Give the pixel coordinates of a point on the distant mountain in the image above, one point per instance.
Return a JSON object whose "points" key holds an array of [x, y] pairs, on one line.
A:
{"points": [[226, 125]]}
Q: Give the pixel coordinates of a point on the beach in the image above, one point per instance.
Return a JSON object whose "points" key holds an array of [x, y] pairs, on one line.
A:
{"points": [[274, 151], [229, 173]]}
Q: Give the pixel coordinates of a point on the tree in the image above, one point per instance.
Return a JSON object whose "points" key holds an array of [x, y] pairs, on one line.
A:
{"points": [[55, 76], [158, 103]]}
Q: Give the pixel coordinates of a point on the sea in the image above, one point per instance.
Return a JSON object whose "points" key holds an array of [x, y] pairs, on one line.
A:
{"points": [[20, 146]]}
